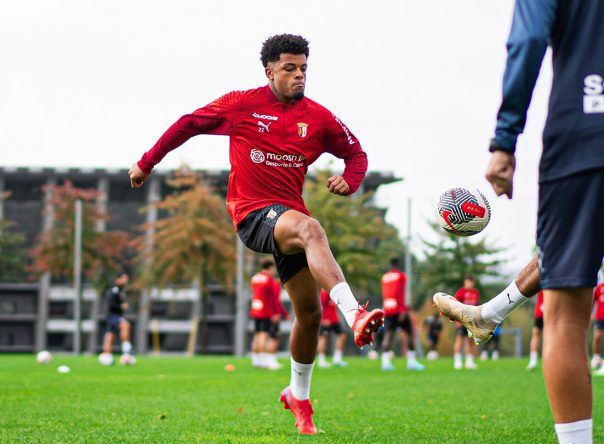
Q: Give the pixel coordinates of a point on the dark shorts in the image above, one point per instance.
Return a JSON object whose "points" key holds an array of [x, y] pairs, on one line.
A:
{"points": [[462, 331], [538, 323], [570, 237], [331, 328], [256, 232], [391, 323], [274, 330], [599, 325], [113, 323], [433, 339], [263, 325]]}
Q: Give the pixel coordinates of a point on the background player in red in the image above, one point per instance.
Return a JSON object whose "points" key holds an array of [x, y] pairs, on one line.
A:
{"points": [[394, 284], [537, 331], [275, 134], [263, 289], [330, 323], [279, 313], [470, 296], [596, 360]]}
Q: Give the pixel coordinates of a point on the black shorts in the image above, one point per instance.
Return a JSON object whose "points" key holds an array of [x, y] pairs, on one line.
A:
{"points": [[538, 323], [433, 339], [113, 323], [570, 237], [262, 325], [391, 323], [274, 330], [462, 331], [599, 325], [256, 232], [331, 328]]}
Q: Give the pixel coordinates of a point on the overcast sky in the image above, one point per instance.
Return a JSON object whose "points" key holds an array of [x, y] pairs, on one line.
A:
{"points": [[95, 83]]}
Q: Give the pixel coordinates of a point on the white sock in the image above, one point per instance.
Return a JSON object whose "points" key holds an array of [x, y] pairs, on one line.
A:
{"points": [[470, 359], [457, 358], [337, 356], [534, 357], [272, 358], [255, 359], [126, 347], [263, 361], [322, 359], [579, 432], [300, 381], [501, 305], [385, 358], [411, 356], [342, 296]]}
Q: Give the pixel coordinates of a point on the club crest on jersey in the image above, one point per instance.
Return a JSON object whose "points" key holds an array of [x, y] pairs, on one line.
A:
{"points": [[302, 129]]}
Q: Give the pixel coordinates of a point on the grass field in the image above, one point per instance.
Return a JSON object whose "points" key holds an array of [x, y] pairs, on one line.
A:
{"points": [[195, 400]]}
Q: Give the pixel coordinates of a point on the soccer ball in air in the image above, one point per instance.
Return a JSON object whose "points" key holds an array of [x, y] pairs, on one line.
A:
{"points": [[106, 359], [127, 359], [463, 212], [44, 357]]}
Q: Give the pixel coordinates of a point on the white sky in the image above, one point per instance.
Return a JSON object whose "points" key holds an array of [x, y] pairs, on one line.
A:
{"points": [[94, 84]]}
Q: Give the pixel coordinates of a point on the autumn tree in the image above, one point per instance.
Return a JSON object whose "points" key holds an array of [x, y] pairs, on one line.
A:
{"points": [[193, 240]]}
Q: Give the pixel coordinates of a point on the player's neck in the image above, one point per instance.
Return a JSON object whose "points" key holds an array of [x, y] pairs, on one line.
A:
{"points": [[280, 97]]}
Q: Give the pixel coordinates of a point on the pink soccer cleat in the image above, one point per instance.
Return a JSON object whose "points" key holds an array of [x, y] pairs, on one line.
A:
{"points": [[302, 411], [365, 324]]}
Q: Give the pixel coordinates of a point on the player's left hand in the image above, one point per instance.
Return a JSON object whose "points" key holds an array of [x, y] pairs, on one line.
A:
{"points": [[137, 176], [337, 185]]}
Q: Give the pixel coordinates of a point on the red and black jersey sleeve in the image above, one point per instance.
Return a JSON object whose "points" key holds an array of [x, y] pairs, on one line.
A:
{"points": [[214, 118], [338, 140]]}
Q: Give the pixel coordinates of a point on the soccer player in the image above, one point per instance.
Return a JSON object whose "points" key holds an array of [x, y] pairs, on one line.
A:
{"points": [[492, 345], [434, 326], [330, 323], [570, 237], [537, 332], [275, 134], [279, 312], [261, 311], [394, 284], [596, 360], [470, 296], [117, 324]]}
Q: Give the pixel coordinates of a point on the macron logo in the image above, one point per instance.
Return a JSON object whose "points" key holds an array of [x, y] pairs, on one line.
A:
{"points": [[265, 117]]}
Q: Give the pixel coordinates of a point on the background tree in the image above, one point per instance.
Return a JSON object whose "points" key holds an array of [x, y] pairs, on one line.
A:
{"points": [[192, 242], [359, 236], [102, 252], [12, 257]]}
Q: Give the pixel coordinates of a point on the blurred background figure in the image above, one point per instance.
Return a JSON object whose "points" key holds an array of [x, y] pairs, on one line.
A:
{"points": [[263, 296], [117, 324], [537, 333], [434, 326], [397, 318], [492, 346], [279, 313], [330, 323], [470, 296], [598, 318]]}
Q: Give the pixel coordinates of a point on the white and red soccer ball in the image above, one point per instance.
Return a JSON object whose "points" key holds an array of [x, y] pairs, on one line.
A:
{"points": [[463, 212]]}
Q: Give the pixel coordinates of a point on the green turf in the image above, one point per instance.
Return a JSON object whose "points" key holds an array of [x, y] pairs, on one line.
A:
{"points": [[196, 400]]}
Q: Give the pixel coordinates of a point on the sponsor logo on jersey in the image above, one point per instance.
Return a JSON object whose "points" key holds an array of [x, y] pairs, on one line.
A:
{"points": [[265, 117], [593, 100], [257, 156], [278, 160], [302, 129]]}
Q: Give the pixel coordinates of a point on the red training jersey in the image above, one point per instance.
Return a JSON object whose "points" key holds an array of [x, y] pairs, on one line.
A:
{"points": [[468, 296], [263, 296], [271, 146], [599, 299], [394, 285], [330, 309], [278, 307], [539, 306]]}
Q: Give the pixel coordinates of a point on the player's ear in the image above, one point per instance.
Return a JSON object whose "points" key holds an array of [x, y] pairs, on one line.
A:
{"points": [[268, 71]]}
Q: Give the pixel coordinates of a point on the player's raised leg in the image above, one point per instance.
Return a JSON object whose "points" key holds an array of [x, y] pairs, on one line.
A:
{"points": [[482, 320], [304, 295], [296, 232]]}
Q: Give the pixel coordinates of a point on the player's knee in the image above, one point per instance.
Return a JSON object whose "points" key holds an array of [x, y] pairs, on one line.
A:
{"points": [[311, 318], [312, 230]]}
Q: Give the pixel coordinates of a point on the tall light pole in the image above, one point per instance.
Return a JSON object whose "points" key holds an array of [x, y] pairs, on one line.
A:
{"points": [[77, 279]]}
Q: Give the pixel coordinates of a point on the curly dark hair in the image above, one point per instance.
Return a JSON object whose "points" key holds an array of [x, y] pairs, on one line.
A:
{"points": [[279, 44]]}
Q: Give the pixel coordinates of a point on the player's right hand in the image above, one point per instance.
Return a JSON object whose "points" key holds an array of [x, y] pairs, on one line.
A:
{"points": [[137, 176], [500, 172]]}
